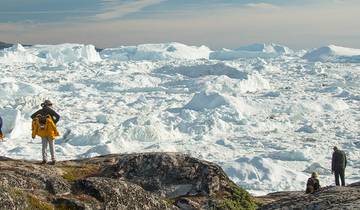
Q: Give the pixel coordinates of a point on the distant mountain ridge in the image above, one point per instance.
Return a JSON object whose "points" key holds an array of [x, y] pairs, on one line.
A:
{"points": [[4, 45]]}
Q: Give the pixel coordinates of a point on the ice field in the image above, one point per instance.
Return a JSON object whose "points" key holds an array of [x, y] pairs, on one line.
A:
{"points": [[267, 114]]}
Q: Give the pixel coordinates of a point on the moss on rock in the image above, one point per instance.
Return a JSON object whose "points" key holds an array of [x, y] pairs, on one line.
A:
{"points": [[237, 199], [37, 204], [72, 173]]}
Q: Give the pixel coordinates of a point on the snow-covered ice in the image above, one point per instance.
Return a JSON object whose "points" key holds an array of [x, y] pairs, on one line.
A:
{"points": [[166, 51], [334, 53], [251, 51], [268, 115]]}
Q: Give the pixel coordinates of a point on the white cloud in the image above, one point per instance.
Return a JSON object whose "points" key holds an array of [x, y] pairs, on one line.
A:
{"points": [[262, 6], [114, 10], [300, 27]]}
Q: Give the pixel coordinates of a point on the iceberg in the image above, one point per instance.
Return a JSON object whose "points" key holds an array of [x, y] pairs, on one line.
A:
{"points": [[166, 51], [251, 51], [334, 54]]}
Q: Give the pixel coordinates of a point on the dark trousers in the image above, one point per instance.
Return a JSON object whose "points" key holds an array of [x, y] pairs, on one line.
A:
{"points": [[340, 173]]}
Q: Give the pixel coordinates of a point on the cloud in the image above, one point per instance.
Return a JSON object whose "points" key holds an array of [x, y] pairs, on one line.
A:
{"points": [[262, 6], [114, 10], [297, 26]]}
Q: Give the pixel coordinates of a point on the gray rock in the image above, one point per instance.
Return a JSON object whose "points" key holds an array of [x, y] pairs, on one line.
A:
{"points": [[73, 204], [117, 194], [129, 181], [58, 186], [170, 174], [327, 198]]}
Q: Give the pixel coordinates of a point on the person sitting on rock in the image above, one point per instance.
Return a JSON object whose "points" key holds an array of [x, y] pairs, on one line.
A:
{"points": [[313, 183]]}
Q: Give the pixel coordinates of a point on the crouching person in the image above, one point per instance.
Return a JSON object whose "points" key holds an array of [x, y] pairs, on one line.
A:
{"points": [[44, 127], [313, 183]]}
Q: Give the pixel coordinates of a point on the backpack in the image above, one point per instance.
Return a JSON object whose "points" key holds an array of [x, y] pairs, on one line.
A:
{"points": [[42, 121]]}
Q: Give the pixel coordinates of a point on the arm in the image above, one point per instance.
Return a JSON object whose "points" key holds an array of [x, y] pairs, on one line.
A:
{"points": [[308, 182], [33, 128], [54, 115], [34, 115], [54, 128], [317, 185], [333, 162], [345, 159]]}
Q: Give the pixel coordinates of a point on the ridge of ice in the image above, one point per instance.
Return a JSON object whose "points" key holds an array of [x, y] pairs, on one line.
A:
{"points": [[333, 53], [251, 51], [54, 54], [163, 51]]}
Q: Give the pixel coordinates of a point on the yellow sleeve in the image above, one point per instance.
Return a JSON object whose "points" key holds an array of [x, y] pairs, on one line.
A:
{"points": [[34, 128], [54, 128]]}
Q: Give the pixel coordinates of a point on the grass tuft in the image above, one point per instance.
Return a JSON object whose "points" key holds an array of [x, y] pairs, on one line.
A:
{"points": [[72, 173]]}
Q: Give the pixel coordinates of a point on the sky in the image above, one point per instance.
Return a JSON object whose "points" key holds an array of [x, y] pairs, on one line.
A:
{"points": [[298, 24]]}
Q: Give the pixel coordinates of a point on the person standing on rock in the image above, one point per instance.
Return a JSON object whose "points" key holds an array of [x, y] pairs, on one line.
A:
{"points": [[44, 125], [338, 165], [1, 133]]}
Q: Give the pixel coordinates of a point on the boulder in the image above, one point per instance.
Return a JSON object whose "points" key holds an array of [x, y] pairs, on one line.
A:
{"points": [[130, 181]]}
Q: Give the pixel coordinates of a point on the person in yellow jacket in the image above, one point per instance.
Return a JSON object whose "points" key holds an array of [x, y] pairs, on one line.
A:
{"points": [[45, 128]]}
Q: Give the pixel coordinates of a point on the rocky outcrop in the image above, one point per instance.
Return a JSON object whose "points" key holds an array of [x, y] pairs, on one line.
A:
{"points": [[132, 181], [333, 198]]}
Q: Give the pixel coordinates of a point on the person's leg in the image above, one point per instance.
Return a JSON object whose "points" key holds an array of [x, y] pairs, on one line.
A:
{"points": [[337, 178], [44, 142], [1, 134], [52, 149], [342, 177]]}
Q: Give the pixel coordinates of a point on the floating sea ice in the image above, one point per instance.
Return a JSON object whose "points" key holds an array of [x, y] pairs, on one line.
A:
{"points": [[251, 51], [204, 100], [225, 143], [316, 167], [334, 53], [101, 149], [66, 53], [17, 54], [166, 51], [255, 173], [306, 129], [293, 155]]}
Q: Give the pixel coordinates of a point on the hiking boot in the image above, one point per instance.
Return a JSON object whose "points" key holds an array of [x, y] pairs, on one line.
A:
{"points": [[53, 162], [43, 162]]}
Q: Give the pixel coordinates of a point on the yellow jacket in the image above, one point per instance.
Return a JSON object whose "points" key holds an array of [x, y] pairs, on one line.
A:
{"points": [[49, 131]]}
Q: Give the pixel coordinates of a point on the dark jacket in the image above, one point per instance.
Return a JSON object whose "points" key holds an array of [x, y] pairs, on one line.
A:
{"points": [[338, 162], [1, 122], [312, 185], [47, 111]]}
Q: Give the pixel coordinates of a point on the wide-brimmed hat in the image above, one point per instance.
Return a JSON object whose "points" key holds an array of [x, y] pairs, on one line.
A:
{"points": [[46, 103]]}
